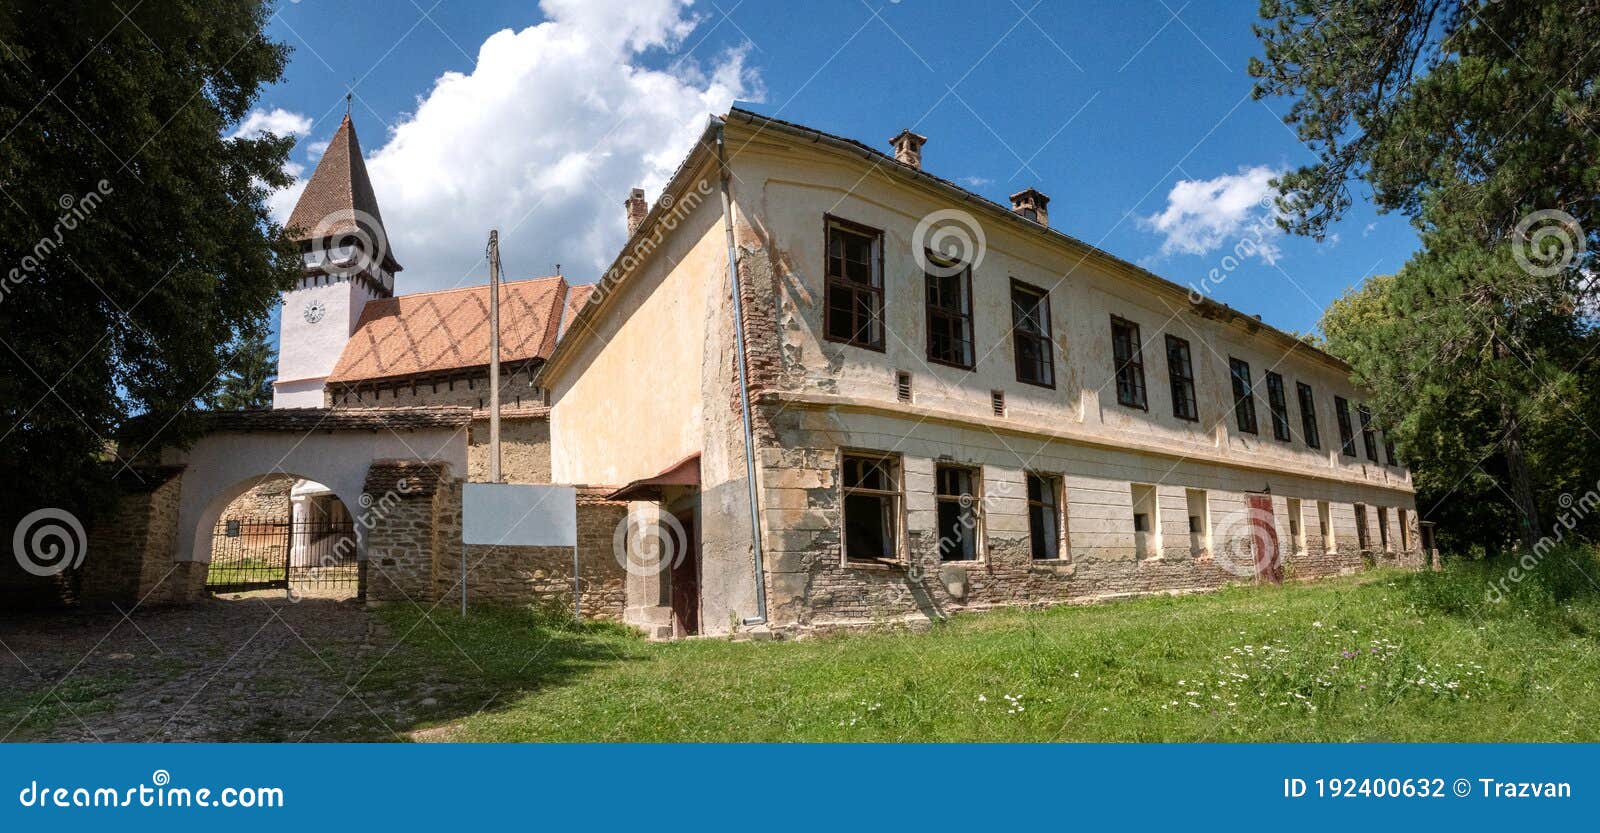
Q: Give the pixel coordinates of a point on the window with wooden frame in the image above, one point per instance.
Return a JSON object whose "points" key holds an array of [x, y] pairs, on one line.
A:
{"points": [[959, 512], [1278, 406], [1126, 357], [853, 288], [1388, 450], [1369, 438], [1244, 397], [1308, 415], [1030, 335], [1180, 376], [1045, 527], [872, 500], [949, 302], [1347, 435]]}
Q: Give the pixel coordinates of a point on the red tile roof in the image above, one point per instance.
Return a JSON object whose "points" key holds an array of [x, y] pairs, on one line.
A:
{"points": [[577, 296], [429, 332]]}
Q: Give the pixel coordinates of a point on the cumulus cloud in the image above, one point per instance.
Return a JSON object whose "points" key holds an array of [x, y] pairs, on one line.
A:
{"points": [[543, 140], [1202, 215], [278, 121]]}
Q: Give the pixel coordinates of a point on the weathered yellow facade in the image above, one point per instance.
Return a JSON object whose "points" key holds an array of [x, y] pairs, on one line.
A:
{"points": [[647, 377]]}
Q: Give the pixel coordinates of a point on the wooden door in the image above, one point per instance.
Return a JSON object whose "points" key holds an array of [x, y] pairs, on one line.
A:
{"points": [[1264, 539], [685, 579]]}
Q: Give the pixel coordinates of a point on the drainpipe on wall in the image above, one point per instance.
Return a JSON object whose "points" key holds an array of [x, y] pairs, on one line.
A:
{"points": [[744, 388]]}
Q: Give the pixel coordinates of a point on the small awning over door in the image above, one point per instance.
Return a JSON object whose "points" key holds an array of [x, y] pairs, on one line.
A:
{"points": [[685, 472]]}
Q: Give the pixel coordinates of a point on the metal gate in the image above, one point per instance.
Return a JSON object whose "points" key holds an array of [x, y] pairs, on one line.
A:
{"points": [[265, 554]]}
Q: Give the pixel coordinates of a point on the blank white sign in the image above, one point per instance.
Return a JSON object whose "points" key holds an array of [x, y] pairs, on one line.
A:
{"points": [[515, 515]]}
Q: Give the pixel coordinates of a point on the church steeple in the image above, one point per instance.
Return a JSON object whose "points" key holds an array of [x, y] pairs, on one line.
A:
{"points": [[337, 220], [348, 262]]}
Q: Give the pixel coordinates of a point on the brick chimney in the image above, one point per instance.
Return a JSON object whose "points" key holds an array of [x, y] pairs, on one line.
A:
{"points": [[908, 148], [637, 209], [1032, 205]]}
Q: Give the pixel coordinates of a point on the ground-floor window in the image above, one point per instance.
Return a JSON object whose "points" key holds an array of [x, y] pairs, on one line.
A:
{"points": [[1199, 522], [1405, 529], [1297, 530], [1146, 523], [1363, 535], [1383, 528], [1325, 526], [1045, 499], [872, 501], [960, 516]]}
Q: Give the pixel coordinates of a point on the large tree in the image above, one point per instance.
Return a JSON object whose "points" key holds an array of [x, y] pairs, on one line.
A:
{"points": [[133, 226], [1478, 120]]}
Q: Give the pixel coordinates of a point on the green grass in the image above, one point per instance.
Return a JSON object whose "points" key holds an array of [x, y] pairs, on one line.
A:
{"points": [[1383, 656]]}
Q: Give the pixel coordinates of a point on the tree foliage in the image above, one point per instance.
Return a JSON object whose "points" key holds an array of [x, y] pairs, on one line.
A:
{"points": [[133, 228], [247, 381], [1478, 120]]}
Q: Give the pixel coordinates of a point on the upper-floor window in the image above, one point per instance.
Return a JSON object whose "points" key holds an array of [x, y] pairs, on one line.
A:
{"points": [[1030, 332], [1125, 355], [1308, 415], [1180, 375], [1278, 405], [854, 287], [1244, 398], [949, 298], [1388, 451], [1369, 437], [1347, 435]]}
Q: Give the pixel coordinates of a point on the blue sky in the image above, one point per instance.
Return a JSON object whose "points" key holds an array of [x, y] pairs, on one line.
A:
{"points": [[1133, 116]]}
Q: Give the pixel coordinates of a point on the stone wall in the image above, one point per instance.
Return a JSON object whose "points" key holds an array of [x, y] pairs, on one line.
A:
{"points": [[130, 551], [267, 500], [540, 576], [467, 386], [403, 502], [524, 447]]}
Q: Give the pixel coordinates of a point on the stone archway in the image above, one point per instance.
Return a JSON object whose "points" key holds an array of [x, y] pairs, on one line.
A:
{"points": [[159, 543]]}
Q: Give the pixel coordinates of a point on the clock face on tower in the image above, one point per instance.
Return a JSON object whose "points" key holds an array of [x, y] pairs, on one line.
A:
{"points": [[314, 312]]}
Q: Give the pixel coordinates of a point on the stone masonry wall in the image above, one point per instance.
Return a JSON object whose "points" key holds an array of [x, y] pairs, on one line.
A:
{"points": [[402, 503], [540, 576], [524, 449], [130, 557]]}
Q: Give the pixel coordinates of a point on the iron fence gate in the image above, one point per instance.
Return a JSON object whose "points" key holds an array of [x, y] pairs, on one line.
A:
{"points": [[259, 555]]}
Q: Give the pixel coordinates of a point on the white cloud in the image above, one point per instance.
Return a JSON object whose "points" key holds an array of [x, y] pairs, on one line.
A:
{"points": [[1202, 215], [279, 121], [543, 139], [975, 181]]}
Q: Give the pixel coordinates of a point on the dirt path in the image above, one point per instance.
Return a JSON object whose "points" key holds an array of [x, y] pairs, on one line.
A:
{"points": [[250, 667]]}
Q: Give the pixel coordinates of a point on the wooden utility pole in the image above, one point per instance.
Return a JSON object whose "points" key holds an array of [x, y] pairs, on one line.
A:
{"points": [[494, 355]]}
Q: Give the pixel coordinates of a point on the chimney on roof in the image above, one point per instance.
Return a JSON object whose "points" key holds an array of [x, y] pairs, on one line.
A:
{"points": [[908, 148], [1032, 205], [637, 209]]}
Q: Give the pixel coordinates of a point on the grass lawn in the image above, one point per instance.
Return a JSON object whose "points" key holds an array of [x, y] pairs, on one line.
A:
{"points": [[1382, 656]]}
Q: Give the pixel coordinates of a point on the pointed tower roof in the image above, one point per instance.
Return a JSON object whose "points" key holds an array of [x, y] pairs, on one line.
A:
{"points": [[339, 199]]}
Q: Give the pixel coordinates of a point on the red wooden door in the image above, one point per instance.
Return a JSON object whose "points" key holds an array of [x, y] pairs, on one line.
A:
{"points": [[1264, 539]]}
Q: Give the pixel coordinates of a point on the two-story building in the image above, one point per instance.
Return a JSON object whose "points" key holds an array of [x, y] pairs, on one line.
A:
{"points": [[952, 405]]}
